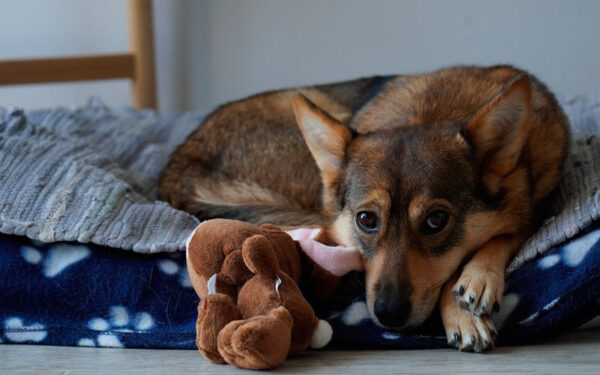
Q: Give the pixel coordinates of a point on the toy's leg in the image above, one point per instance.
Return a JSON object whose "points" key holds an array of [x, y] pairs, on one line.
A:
{"points": [[215, 311], [259, 343]]}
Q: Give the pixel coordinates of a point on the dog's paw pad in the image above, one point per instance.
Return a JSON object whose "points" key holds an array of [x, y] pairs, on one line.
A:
{"points": [[479, 290]]}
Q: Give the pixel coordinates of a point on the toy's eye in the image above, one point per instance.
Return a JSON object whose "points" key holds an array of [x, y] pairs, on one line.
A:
{"points": [[435, 222], [367, 221]]}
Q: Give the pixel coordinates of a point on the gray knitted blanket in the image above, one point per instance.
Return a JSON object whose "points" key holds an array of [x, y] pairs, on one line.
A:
{"points": [[90, 175]]}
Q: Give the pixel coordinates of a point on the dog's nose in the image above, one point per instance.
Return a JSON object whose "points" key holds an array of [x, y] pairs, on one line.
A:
{"points": [[392, 310]]}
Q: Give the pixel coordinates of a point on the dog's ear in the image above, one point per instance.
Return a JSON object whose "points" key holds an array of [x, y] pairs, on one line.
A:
{"points": [[326, 139], [499, 130]]}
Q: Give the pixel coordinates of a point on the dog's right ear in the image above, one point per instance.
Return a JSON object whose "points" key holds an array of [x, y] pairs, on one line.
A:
{"points": [[326, 139], [499, 130]]}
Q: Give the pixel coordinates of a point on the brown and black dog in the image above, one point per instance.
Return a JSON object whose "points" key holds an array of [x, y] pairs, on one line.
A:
{"points": [[436, 178]]}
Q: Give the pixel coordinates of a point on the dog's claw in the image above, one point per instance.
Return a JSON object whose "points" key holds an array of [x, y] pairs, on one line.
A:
{"points": [[467, 347], [494, 333], [488, 345], [459, 292], [454, 339], [471, 298], [496, 306], [483, 308], [477, 334], [479, 291]]}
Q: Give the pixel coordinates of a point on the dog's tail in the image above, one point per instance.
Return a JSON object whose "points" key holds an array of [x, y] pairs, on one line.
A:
{"points": [[211, 198], [258, 213]]}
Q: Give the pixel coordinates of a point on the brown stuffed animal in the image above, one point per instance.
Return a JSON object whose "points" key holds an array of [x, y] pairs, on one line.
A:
{"points": [[252, 313]]}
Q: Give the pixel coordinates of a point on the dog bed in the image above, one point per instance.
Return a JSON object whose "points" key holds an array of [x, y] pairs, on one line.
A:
{"points": [[88, 176]]}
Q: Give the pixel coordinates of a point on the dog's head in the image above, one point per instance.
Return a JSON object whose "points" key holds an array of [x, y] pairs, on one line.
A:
{"points": [[416, 199]]}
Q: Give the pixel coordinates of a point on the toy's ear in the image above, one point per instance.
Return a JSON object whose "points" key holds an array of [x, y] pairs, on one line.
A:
{"points": [[499, 130], [260, 257], [326, 139]]}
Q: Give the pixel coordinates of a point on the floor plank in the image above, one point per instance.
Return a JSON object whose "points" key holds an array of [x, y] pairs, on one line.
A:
{"points": [[575, 353]]}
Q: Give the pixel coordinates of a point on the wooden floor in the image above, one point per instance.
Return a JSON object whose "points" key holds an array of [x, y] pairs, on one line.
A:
{"points": [[575, 353]]}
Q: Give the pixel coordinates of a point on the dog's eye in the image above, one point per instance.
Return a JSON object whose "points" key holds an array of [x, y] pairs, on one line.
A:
{"points": [[367, 221], [435, 222]]}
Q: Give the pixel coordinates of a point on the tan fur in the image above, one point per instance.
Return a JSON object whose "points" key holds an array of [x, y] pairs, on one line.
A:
{"points": [[485, 145], [236, 193], [376, 265], [417, 207], [340, 231]]}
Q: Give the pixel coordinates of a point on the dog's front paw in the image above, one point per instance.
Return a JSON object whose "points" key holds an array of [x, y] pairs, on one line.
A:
{"points": [[468, 332], [479, 289]]}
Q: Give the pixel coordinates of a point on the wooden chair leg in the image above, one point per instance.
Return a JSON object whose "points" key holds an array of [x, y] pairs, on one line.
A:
{"points": [[141, 40]]}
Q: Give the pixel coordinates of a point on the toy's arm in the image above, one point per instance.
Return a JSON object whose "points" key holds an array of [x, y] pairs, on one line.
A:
{"points": [[338, 260]]}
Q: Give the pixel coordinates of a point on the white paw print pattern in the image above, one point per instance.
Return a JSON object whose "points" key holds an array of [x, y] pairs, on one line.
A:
{"points": [[509, 304], [576, 251], [86, 342], [391, 336], [573, 253], [171, 268], [355, 313], [119, 321], [549, 261], [16, 331], [109, 340], [57, 259], [31, 254]]}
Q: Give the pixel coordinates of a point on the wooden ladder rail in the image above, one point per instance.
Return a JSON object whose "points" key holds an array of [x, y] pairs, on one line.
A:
{"points": [[138, 65]]}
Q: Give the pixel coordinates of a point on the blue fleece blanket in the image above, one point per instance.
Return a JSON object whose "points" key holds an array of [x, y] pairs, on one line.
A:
{"points": [[88, 295]]}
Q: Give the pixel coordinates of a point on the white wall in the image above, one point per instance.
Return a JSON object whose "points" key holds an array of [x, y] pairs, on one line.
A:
{"points": [[213, 51], [256, 45], [39, 28]]}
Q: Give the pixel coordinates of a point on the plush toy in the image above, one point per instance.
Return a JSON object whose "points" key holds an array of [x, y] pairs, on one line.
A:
{"points": [[252, 313]]}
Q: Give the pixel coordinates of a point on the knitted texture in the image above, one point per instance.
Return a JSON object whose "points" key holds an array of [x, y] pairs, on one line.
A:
{"points": [[91, 175]]}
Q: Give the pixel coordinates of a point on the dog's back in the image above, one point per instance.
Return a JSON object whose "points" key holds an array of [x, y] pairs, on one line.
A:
{"points": [[248, 160]]}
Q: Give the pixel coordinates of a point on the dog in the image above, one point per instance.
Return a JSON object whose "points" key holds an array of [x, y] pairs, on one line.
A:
{"points": [[438, 179]]}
